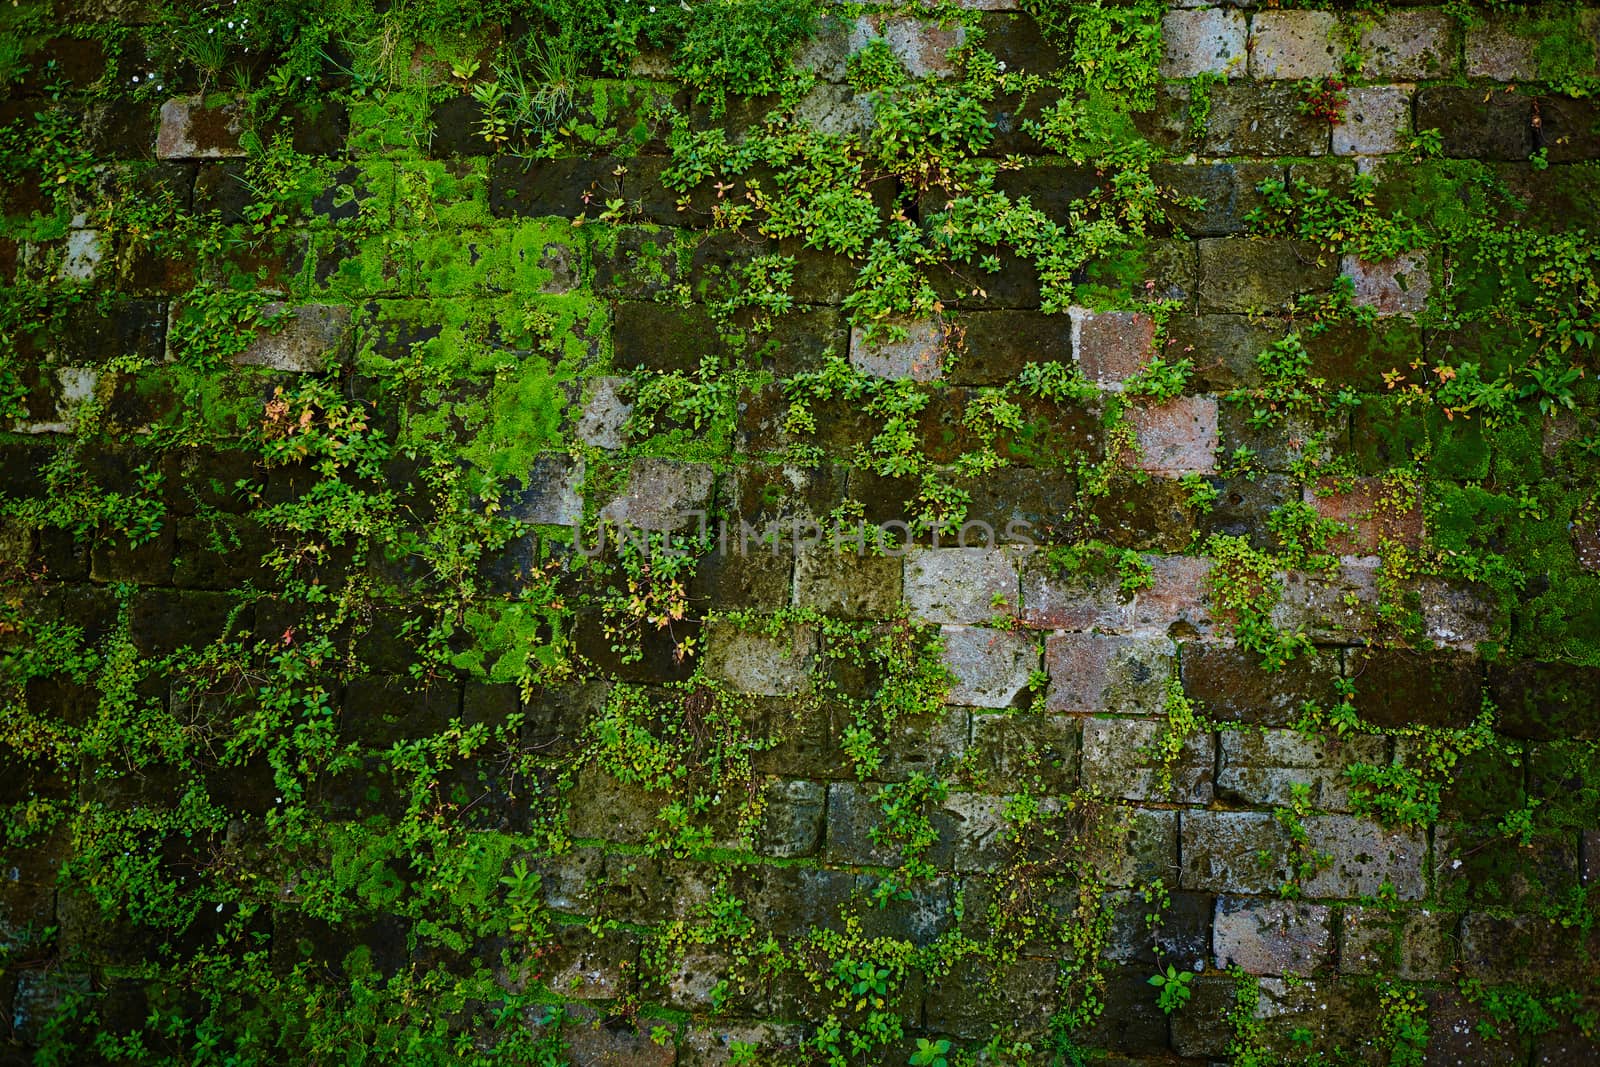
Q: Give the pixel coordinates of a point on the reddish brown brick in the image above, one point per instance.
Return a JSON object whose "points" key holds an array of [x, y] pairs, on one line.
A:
{"points": [[1372, 513]]}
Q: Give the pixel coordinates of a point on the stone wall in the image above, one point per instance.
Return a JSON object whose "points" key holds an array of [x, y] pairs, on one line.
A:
{"points": [[321, 699]]}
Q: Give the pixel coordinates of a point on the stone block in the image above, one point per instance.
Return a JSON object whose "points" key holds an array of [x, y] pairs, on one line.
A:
{"points": [[591, 966], [1519, 948], [792, 819], [1336, 608], [922, 46], [1272, 936], [604, 421], [191, 129], [1496, 51], [1418, 945], [1258, 274], [846, 584], [1183, 933], [1119, 760], [1455, 614], [551, 493], [1475, 124], [304, 340], [1461, 1034], [1261, 768], [928, 744], [919, 356], [992, 668], [1229, 683], [1204, 41], [1295, 44], [1377, 121], [1013, 752], [1177, 437], [977, 996], [1409, 44], [752, 661], [1251, 852], [1397, 688], [961, 585], [1112, 345], [1148, 851], [1053, 600], [995, 346], [1261, 119], [1398, 286], [662, 495], [1227, 194], [1177, 604], [1108, 673], [1371, 512]]}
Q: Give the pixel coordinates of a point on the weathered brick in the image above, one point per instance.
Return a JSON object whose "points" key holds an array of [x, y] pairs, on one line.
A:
{"points": [[1546, 701], [1476, 125], [1495, 50], [551, 493], [791, 823], [1112, 345], [1456, 615], [1371, 512], [1204, 41], [1409, 45], [995, 346], [1230, 684], [1398, 286], [306, 340], [1227, 193], [751, 661], [1103, 672], [1272, 936], [1177, 437], [920, 356], [1336, 608], [1261, 119], [992, 668], [1294, 44], [1518, 948], [604, 421], [1251, 852], [662, 494], [847, 584], [1120, 760], [921, 45], [1254, 274], [1377, 121], [977, 996], [1263, 768], [192, 130], [1418, 945], [1398, 687], [1017, 751], [961, 585]]}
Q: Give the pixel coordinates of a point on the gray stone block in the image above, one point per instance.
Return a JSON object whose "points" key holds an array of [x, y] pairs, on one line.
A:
{"points": [[992, 668]]}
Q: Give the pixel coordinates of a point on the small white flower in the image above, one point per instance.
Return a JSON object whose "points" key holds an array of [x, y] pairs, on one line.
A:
{"points": [[136, 79], [219, 909]]}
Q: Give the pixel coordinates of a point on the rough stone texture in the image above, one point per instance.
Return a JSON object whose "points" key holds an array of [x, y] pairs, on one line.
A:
{"points": [[1410, 44], [305, 340], [1177, 437], [1262, 768], [662, 494], [1272, 937], [847, 584], [1113, 345], [1475, 124], [960, 585], [551, 492], [920, 356], [1337, 608], [1240, 274], [1294, 44], [1371, 513], [1120, 760], [1398, 286], [1417, 945], [1101, 672], [1210, 40], [1495, 50], [920, 46], [753, 662], [1016, 751], [1229, 684], [605, 414], [992, 668], [1377, 120], [192, 130], [1250, 852]]}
